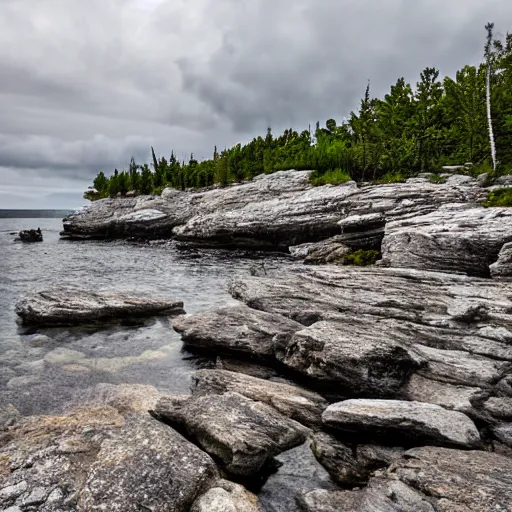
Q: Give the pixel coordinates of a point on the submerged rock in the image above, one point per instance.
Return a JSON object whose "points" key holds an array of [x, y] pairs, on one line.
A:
{"points": [[71, 307], [293, 401], [397, 422], [243, 435]]}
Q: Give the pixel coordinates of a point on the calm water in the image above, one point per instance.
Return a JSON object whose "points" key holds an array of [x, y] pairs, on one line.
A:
{"points": [[45, 370]]}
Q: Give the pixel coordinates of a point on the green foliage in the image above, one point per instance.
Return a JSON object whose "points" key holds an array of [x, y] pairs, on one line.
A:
{"points": [[335, 177], [412, 129], [391, 177], [361, 258], [500, 197], [436, 178]]}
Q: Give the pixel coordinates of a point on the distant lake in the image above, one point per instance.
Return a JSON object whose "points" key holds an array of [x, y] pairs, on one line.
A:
{"points": [[34, 214]]}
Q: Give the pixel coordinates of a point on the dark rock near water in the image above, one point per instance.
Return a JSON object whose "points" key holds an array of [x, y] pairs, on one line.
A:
{"points": [[243, 435], [31, 235], [71, 307]]}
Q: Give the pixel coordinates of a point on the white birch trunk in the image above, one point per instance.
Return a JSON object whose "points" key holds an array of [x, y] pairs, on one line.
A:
{"points": [[489, 117]]}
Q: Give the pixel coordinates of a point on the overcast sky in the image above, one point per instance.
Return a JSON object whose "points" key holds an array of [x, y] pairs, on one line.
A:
{"points": [[86, 84]]}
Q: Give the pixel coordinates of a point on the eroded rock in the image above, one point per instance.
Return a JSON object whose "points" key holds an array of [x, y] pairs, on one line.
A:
{"points": [[293, 401], [71, 306], [227, 496], [243, 435], [397, 422]]}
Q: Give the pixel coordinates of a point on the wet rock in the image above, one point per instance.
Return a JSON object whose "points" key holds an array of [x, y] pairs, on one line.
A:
{"points": [[293, 401], [227, 496], [31, 235], [397, 422], [125, 398], [454, 238], [351, 465], [235, 330], [356, 361], [243, 435], [71, 307], [148, 466]]}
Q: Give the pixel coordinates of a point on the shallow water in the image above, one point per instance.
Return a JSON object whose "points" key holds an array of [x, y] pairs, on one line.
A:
{"points": [[44, 370]]}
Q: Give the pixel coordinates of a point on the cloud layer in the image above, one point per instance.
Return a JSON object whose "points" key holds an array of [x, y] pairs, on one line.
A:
{"points": [[86, 85]]}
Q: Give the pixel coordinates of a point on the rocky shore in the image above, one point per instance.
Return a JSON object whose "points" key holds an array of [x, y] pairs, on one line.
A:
{"points": [[396, 377]]}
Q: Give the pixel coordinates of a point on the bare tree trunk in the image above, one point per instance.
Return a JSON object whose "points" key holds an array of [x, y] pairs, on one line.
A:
{"points": [[489, 27]]}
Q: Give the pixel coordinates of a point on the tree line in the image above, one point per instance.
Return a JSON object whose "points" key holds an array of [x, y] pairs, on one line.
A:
{"points": [[413, 129]]}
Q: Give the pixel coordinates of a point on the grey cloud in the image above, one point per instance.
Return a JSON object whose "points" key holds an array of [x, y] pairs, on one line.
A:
{"points": [[86, 85]]}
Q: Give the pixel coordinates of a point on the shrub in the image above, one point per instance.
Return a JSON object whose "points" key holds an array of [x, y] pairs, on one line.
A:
{"points": [[361, 258], [395, 177], [435, 178], [334, 177], [500, 197]]}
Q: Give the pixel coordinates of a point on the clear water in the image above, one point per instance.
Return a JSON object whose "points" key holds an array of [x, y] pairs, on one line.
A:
{"points": [[44, 370]]}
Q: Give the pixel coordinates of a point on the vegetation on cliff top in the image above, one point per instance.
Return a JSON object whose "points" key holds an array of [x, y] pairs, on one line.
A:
{"points": [[411, 130]]}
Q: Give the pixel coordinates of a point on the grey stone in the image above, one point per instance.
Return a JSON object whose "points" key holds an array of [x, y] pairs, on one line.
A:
{"points": [[72, 306], [397, 421], [237, 330], [241, 433], [503, 266], [291, 400], [227, 497], [499, 407]]}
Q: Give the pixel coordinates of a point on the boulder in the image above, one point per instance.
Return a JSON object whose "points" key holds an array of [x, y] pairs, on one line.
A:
{"points": [[402, 423], [238, 330], [94, 458], [503, 266], [148, 466], [292, 401], [427, 479], [71, 307], [454, 238], [227, 496], [351, 465], [31, 235], [354, 360], [243, 435]]}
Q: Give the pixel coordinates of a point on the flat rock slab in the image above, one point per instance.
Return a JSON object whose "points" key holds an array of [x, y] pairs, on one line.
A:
{"points": [[237, 330], [293, 401], [240, 433], [413, 423], [72, 307]]}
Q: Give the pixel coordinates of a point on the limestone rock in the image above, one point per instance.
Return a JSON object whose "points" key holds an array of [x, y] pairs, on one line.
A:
{"points": [[503, 266], [351, 465], [93, 458], [323, 500], [356, 362], [293, 401], [454, 238], [235, 330], [397, 422], [241, 433], [227, 496], [71, 307], [148, 466]]}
